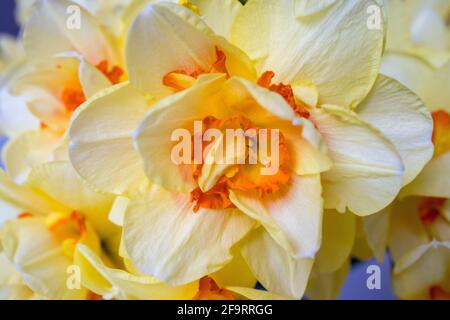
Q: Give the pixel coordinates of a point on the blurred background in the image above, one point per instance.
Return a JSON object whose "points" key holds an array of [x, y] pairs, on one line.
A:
{"points": [[355, 286]]}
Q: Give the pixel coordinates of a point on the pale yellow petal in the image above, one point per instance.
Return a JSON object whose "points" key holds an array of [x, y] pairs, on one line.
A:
{"points": [[101, 147], [338, 235], [166, 37], [51, 18], [60, 181], [292, 217], [327, 286], [31, 247], [27, 150], [277, 271], [431, 267], [218, 14], [402, 118], [166, 239], [26, 198], [298, 48], [433, 181], [367, 173], [155, 138], [123, 285]]}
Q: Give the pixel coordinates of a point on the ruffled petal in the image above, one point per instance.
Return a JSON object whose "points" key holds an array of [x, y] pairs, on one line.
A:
{"points": [[101, 145], [367, 172], [292, 216], [268, 261], [166, 239], [402, 118], [270, 31]]}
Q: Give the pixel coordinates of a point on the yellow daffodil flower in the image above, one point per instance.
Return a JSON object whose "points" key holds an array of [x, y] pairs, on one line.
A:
{"points": [[54, 212], [58, 76]]}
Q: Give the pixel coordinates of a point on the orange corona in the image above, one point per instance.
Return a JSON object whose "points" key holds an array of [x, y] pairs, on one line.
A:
{"points": [[209, 290], [244, 177]]}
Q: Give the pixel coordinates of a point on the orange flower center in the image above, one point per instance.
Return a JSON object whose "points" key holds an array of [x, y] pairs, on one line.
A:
{"points": [[441, 132], [430, 209], [244, 176], [209, 290], [438, 293], [114, 74], [180, 80], [285, 91], [67, 229], [72, 98]]}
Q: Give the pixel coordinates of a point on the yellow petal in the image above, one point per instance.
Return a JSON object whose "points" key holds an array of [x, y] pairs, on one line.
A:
{"points": [[269, 32], [411, 71], [50, 18], [367, 172], [327, 286], [218, 14], [406, 230], [101, 148], [166, 37], [430, 268], [184, 245], [15, 117], [388, 102], [60, 181], [432, 181], [435, 90], [123, 285], [27, 150], [154, 135], [26, 198], [292, 217], [31, 247], [255, 294], [268, 261], [376, 227], [337, 241]]}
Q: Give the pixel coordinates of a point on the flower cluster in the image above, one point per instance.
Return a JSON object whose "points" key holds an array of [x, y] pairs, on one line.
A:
{"points": [[101, 200]]}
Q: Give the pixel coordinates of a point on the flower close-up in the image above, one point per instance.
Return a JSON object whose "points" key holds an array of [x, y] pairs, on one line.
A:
{"points": [[225, 150]]}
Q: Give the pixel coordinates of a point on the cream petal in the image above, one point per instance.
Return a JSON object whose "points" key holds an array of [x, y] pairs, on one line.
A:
{"points": [[338, 235], [154, 140], [435, 90], [367, 172], [124, 285], [327, 286], [432, 181], [218, 14], [402, 118], [27, 150], [268, 261], [376, 227], [60, 181], [53, 19], [344, 72], [166, 239], [430, 268], [15, 117], [101, 147], [255, 294], [25, 198], [406, 230], [408, 69], [292, 217], [166, 37], [31, 247]]}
